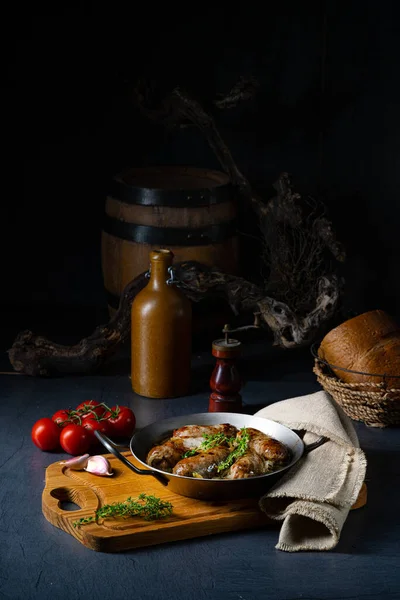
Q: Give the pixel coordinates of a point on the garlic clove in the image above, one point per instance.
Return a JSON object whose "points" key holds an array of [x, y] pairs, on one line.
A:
{"points": [[77, 463], [99, 465]]}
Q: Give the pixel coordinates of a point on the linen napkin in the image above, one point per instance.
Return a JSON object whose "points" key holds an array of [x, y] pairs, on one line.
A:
{"points": [[314, 498]]}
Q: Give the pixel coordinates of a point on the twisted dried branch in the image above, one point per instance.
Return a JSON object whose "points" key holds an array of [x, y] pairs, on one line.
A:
{"points": [[35, 355], [244, 89]]}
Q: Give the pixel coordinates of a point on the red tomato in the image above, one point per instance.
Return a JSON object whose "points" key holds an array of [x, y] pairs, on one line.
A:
{"points": [[64, 417], [75, 439], [91, 424], [122, 421], [45, 434], [90, 407]]}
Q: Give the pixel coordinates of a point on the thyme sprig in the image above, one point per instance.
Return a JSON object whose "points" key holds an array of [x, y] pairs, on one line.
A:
{"points": [[241, 446], [210, 440], [149, 508]]}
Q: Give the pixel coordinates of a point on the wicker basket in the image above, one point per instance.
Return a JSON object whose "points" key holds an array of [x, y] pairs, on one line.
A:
{"points": [[372, 403]]}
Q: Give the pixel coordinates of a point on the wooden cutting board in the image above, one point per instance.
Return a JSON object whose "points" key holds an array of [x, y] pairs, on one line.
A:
{"points": [[191, 518]]}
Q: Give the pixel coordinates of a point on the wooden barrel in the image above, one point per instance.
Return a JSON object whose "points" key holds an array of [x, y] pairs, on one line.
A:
{"points": [[188, 210]]}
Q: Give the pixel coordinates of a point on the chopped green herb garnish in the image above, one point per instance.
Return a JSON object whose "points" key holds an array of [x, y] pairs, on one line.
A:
{"points": [[210, 440], [241, 446], [148, 508]]}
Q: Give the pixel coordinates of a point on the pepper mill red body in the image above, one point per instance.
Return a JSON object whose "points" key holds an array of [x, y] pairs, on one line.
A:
{"points": [[225, 381]]}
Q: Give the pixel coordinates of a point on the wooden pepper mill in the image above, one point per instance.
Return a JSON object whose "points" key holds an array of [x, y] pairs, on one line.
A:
{"points": [[225, 381]]}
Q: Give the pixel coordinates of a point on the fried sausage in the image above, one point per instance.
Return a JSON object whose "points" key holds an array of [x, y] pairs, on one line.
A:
{"points": [[203, 465], [267, 447], [192, 435], [166, 455], [248, 465]]}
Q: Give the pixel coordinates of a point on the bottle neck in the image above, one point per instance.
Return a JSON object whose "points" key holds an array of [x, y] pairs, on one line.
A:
{"points": [[159, 274]]}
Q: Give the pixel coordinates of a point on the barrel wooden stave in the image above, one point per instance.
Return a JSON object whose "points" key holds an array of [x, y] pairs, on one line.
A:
{"points": [[199, 230]]}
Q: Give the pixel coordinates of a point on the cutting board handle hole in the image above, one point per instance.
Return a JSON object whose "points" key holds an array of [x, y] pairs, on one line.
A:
{"points": [[67, 499], [69, 506]]}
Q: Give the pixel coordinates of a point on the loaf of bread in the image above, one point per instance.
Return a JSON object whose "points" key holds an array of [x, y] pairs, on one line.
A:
{"points": [[368, 343]]}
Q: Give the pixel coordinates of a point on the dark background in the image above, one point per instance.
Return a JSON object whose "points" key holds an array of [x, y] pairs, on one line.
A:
{"points": [[327, 111]]}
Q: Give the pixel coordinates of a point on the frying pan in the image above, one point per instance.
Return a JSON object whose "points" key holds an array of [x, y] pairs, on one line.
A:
{"points": [[209, 489]]}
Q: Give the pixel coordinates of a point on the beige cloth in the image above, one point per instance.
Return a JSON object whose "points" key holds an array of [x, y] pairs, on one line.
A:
{"points": [[314, 498]]}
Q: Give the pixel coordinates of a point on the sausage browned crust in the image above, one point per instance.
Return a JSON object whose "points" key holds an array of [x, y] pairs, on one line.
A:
{"points": [[203, 465], [165, 456], [269, 448], [248, 465], [192, 435]]}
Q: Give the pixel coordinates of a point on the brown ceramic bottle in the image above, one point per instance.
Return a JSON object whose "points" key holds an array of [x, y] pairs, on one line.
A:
{"points": [[161, 334]]}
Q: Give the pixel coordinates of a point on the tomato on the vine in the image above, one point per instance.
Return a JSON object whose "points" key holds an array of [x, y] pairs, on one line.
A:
{"points": [[45, 434], [122, 421], [91, 424], [75, 439], [90, 408], [64, 417], [74, 429]]}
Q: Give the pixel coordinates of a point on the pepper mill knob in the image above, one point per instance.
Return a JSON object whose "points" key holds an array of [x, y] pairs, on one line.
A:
{"points": [[225, 381]]}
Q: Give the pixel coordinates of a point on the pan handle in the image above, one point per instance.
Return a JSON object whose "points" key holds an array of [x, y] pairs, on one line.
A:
{"points": [[309, 447], [113, 448]]}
